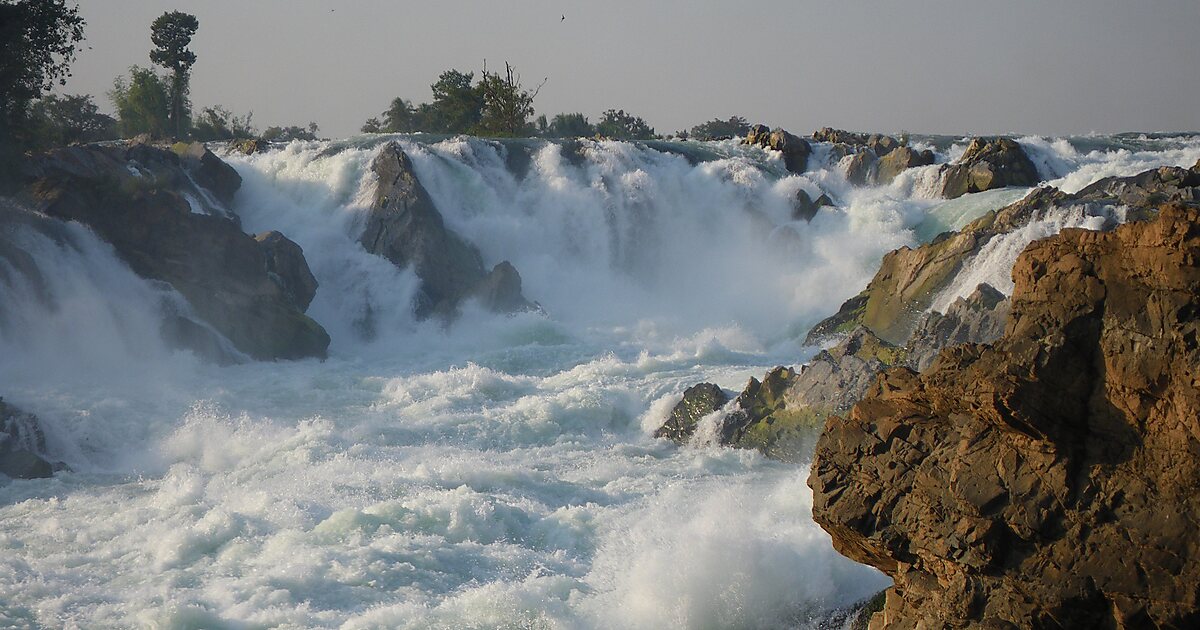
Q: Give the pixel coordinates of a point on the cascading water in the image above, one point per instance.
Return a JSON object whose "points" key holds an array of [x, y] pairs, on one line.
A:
{"points": [[498, 472]]}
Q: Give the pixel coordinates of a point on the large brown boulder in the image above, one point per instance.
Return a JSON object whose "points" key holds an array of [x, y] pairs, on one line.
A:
{"points": [[795, 150], [989, 163], [899, 160], [860, 169], [1053, 479], [406, 227], [142, 201]]}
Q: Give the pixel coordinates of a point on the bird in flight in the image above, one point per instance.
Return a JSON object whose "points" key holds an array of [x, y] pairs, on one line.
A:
{"points": [[564, 17]]}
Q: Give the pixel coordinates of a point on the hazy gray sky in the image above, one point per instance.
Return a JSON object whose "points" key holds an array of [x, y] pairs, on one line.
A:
{"points": [[951, 66]]}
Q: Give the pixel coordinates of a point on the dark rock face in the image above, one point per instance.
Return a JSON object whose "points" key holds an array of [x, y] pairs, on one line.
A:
{"points": [[899, 160], [1149, 189], [978, 318], [405, 227], [152, 222], [1050, 480], [500, 291], [795, 150], [211, 172], [288, 268], [22, 444], [804, 207], [698, 401], [987, 164], [762, 420]]}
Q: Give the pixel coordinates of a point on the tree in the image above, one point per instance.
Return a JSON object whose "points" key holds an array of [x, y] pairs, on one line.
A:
{"points": [[38, 40], [63, 120], [294, 132], [617, 124], [717, 129], [218, 123], [570, 126], [142, 102], [506, 106], [171, 34], [457, 105], [399, 117]]}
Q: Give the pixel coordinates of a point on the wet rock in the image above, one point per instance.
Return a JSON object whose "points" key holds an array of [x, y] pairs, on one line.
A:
{"points": [[988, 163], [698, 401], [500, 291], [288, 268], [860, 168], [141, 200], [761, 419], [211, 172], [406, 227], [978, 318], [804, 207], [250, 146], [22, 445], [1052, 479], [899, 160], [795, 150]]}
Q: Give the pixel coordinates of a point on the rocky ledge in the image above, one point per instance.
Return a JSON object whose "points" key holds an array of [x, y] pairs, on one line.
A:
{"points": [[1050, 480], [166, 213], [23, 445]]}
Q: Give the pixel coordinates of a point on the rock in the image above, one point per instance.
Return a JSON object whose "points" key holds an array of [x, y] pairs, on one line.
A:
{"points": [[21, 445], [251, 146], [698, 401], [804, 207], [288, 269], [1053, 479], [978, 318], [211, 172], [987, 164], [1148, 189], [838, 377], [795, 150], [882, 145], [405, 227], [899, 160], [500, 291], [860, 168], [150, 220], [839, 136], [761, 419]]}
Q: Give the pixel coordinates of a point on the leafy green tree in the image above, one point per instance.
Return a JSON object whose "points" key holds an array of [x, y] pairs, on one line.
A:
{"points": [[218, 123], [400, 117], [171, 34], [457, 105], [570, 126], [618, 125], [506, 105], [717, 129], [38, 41], [143, 103], [63, 120], [372, 126]]}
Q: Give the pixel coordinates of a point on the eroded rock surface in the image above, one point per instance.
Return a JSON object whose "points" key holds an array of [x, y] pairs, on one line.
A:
{"points": [[977, 318], [1052, 479], [405, 227], [989, 163]]}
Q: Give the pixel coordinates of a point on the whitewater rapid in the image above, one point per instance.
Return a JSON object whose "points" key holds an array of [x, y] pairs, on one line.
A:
{"points": [[496, 473]]}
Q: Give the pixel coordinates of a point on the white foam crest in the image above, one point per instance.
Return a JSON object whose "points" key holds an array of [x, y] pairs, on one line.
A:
{"points": [[1075, 170]]}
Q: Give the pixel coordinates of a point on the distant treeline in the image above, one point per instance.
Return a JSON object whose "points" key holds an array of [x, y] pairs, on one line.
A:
{"points": [[41, 38]]}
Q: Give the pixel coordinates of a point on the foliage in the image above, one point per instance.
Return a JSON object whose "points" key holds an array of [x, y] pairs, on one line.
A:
{"points": [[717, 129], [457, 105], [171, 34], [142, 103], [618, 125], [38, 41], [570, 126], [63, 120], [218, 123], [287, 134], [506, 106]]}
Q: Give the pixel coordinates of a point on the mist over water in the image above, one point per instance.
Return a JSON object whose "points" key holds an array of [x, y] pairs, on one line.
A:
{"points": [[497, 472]]}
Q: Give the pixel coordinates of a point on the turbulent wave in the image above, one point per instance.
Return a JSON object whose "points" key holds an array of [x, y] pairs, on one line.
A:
{"points": [[497, 472]]}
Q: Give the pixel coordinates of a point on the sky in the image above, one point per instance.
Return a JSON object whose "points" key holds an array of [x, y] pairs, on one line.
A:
{"points": [[923, 66]]}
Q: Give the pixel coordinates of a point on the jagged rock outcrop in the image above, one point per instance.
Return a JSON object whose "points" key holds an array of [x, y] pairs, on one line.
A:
{"points": [[761, 419], [899, 160], [210, 171], [909, 278], [405, 227], [698, 401], [989, 163], [1053, 479], [287, 268], [141, 200], [22, 445], [879, 144], [795, 149], [977, 318], [860, 169], [804, 207]]}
